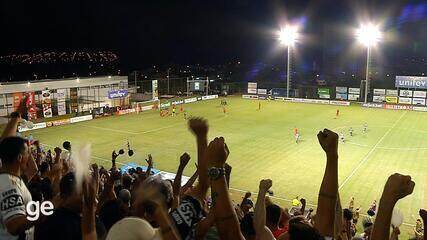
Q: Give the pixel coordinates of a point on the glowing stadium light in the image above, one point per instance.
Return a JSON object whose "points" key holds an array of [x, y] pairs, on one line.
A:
{"points": [[78, 80], [109, 76], [368, 35], [288, 35]]}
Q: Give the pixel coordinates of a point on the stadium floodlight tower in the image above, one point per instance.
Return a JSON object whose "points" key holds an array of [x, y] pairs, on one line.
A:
{"points": [[369, 35], [288, 36]]}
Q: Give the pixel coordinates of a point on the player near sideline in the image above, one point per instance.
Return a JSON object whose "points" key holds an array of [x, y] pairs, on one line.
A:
{"points": [[296, 135], [224, 110], [173, 110], [259, 106], [351, 131], [342, 137], [338, 113], [365, 127]]}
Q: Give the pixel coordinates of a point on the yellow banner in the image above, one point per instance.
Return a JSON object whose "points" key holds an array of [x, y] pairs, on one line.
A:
{"points": [[391, 99]]}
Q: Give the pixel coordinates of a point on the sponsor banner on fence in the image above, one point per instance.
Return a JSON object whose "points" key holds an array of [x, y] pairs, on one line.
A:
{"points": [[323, 93], [419, 94], [389, 99], [354, 91], [120, 93], [126, 111], [421, 109], [60, 97], [411, 82], [17, 97], [398, 107], [380, 92], [31, 105], [178, 102], [378, 99], [353, 97], [419, 101], [58, 122], [252, 87], [208, 97], [405, 93], [155, 90], [47, 103], [146, 108], [341, 90], [190, 100], [62, 108], [391, 92], [262, 91], [373, 105], [36, 126], [250, 96], [74, 98], [339, 103], [81, 118], [405, 100], [165, 105], [341, 96]]}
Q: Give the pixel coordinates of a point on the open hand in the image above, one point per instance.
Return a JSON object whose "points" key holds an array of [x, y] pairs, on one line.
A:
{"points": [[329, 141], [198, 126], [398, 186]]}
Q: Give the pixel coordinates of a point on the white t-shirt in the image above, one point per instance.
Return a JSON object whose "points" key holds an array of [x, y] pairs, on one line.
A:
{"points": [[14, 197]]}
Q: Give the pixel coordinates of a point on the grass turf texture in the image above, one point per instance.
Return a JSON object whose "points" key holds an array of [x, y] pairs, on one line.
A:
{"points": [[262, 146]]}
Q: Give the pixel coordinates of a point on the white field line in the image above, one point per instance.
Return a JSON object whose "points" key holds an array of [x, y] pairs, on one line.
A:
{"points": [[371, 151], [109, 129]]}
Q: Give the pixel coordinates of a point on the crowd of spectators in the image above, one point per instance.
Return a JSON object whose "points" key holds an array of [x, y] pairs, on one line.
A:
{"points": [[103, 203]]}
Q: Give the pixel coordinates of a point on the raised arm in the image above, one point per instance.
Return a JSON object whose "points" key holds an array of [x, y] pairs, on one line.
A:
{"points": [[225, 216], [423, 215], [15, 117], [262, 231], [183, 161], [190, 181], [329, 187], [199, 127], [397, 187], [89, 204]]}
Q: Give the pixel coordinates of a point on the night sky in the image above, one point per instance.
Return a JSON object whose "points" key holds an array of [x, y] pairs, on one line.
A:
{"points": [[146, 32]]}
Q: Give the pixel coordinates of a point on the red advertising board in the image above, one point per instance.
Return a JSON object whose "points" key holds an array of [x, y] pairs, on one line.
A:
{"points": [[31, 105]]}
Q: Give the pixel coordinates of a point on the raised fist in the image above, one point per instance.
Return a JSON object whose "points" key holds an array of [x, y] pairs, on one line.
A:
{"points": [[329, 141], [198, 126], [217, 152], [265, 184], [398, 186], [423, 214]]}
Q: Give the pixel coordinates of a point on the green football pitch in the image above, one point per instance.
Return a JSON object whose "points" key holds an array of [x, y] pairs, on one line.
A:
{"points": [[262, 146]]}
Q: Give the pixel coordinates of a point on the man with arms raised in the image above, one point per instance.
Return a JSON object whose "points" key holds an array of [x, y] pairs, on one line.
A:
{"points": [[14, 195]]}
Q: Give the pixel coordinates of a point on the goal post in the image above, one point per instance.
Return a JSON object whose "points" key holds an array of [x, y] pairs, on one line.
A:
{"points": [[198, 85]]}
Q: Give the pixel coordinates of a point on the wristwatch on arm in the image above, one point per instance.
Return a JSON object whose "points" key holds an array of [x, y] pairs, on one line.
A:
{"points": [[215, 173]]}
